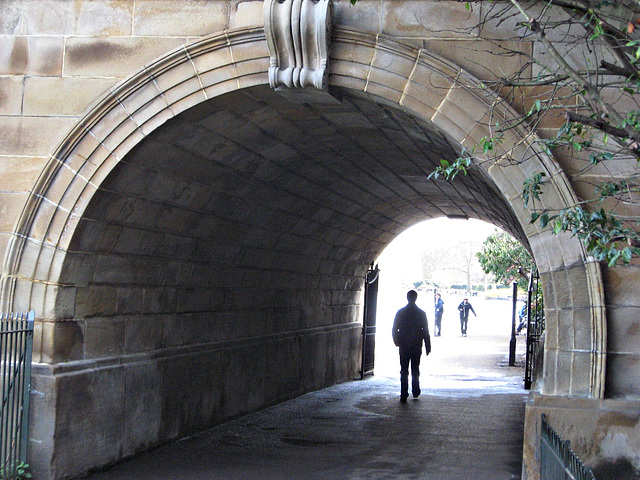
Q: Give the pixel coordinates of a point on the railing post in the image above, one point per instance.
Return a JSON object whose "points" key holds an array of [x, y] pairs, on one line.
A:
{"points": [[16, 345], [26, 391], [557, 460], [512, 342], [535, 327]]}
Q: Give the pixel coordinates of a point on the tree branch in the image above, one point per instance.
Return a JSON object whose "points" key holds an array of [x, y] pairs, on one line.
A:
{"points": [[607, 128], [591, 96], [596, 123], [615, 69]]}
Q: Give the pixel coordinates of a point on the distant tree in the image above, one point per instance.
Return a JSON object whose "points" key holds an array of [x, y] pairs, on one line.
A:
{"points": [[455, 263], [434, 263], [506, 259], [466, 261]]}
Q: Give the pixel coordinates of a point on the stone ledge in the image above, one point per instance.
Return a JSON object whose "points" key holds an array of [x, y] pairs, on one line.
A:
{"points": [[599, 431], [70, 368]]}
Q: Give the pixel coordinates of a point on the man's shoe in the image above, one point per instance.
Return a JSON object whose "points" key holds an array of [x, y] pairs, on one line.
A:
{"points": [[416, 394], [403, 398]]}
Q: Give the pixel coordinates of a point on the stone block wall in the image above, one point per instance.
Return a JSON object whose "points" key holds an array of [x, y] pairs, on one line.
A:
{"points": [[162, 322], [604, 434], [149, 399], [176, 290]]}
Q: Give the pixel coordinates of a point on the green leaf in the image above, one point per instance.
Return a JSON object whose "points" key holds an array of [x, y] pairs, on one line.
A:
{"points": [[544, 220], [613, 257], [557, 227]]}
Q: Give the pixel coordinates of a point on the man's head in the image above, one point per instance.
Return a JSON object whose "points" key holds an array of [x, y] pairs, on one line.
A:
{"points": [[438, 295], [412, 296], [465, 300]]}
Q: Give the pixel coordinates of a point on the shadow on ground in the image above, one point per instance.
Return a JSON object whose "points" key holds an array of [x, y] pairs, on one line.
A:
{"points": [[468, 423]]}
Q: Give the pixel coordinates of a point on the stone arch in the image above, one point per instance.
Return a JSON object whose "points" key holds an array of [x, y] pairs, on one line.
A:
{"points": [[412, 79]]}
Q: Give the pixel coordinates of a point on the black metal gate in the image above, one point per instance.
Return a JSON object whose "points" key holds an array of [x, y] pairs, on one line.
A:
{"points": [[16, 343], [535, 327], [369, 321]]}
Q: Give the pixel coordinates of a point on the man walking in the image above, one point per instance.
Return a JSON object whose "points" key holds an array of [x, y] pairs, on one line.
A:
{"points": [[438, 315], [464, 308], [410, 329]]}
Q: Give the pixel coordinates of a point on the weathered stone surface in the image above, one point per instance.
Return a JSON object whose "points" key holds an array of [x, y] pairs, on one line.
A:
{"points": [[42, 424], [31, 136], [553, 252], [180, 17], [245, 13], [598, 431], [20, 173], [103, 337], [11, 205], [481, 58], [204, 241], [556, 293], [62, 341], [143, 334], [623, 329], [142, 413], [114, 56], [89, 395], [52, 17], [62, 96], [623, 290], [59, 302], [11, 89], [96, 301], [31, 55], [620, 385], [412, 18]]}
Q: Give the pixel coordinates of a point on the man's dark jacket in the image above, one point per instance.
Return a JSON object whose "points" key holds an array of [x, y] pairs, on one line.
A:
{"points": [[410, 329], [464, 309]]}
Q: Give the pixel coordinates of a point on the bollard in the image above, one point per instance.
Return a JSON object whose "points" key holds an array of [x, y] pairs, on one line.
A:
{"points": [[512, 343]]}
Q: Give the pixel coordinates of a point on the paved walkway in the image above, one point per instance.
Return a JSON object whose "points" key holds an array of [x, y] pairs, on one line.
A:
{"points": [[466, 425]]}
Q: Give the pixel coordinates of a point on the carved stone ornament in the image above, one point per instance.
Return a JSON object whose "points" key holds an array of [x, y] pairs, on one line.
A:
{"points": [[298, 38]]}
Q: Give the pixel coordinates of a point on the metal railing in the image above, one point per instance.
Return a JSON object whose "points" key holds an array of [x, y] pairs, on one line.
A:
{"points": [[557, 460], [535, 327], [16, 344]]}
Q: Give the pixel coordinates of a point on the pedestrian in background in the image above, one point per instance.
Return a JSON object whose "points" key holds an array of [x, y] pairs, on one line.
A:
{"points": [[439, 311], [464, 308], [522, 314], [410, 329]]}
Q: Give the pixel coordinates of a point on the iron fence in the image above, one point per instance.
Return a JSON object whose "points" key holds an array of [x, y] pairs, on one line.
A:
{"points": [[557, 460], [535, 327], [16, 344]]}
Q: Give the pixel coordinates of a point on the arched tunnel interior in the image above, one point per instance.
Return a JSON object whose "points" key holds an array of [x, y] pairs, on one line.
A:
{"points": [[220, 265]]}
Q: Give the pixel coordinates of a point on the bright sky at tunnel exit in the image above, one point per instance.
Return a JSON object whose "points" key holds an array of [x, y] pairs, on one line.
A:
{"points": [[400, 262]]}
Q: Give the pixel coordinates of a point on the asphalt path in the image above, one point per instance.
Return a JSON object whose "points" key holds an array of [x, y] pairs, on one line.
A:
{"points": [[467, 424]]}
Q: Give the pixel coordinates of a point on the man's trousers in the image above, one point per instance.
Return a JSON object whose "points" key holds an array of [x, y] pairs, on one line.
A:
{"points": [[410, 356]]}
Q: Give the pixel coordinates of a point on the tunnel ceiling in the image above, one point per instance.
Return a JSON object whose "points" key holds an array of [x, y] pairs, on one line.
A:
{"points": [[257, 170]]}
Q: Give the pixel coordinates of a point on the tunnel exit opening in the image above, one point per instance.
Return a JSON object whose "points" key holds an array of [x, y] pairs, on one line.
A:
{"points": [[424, 258]]}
